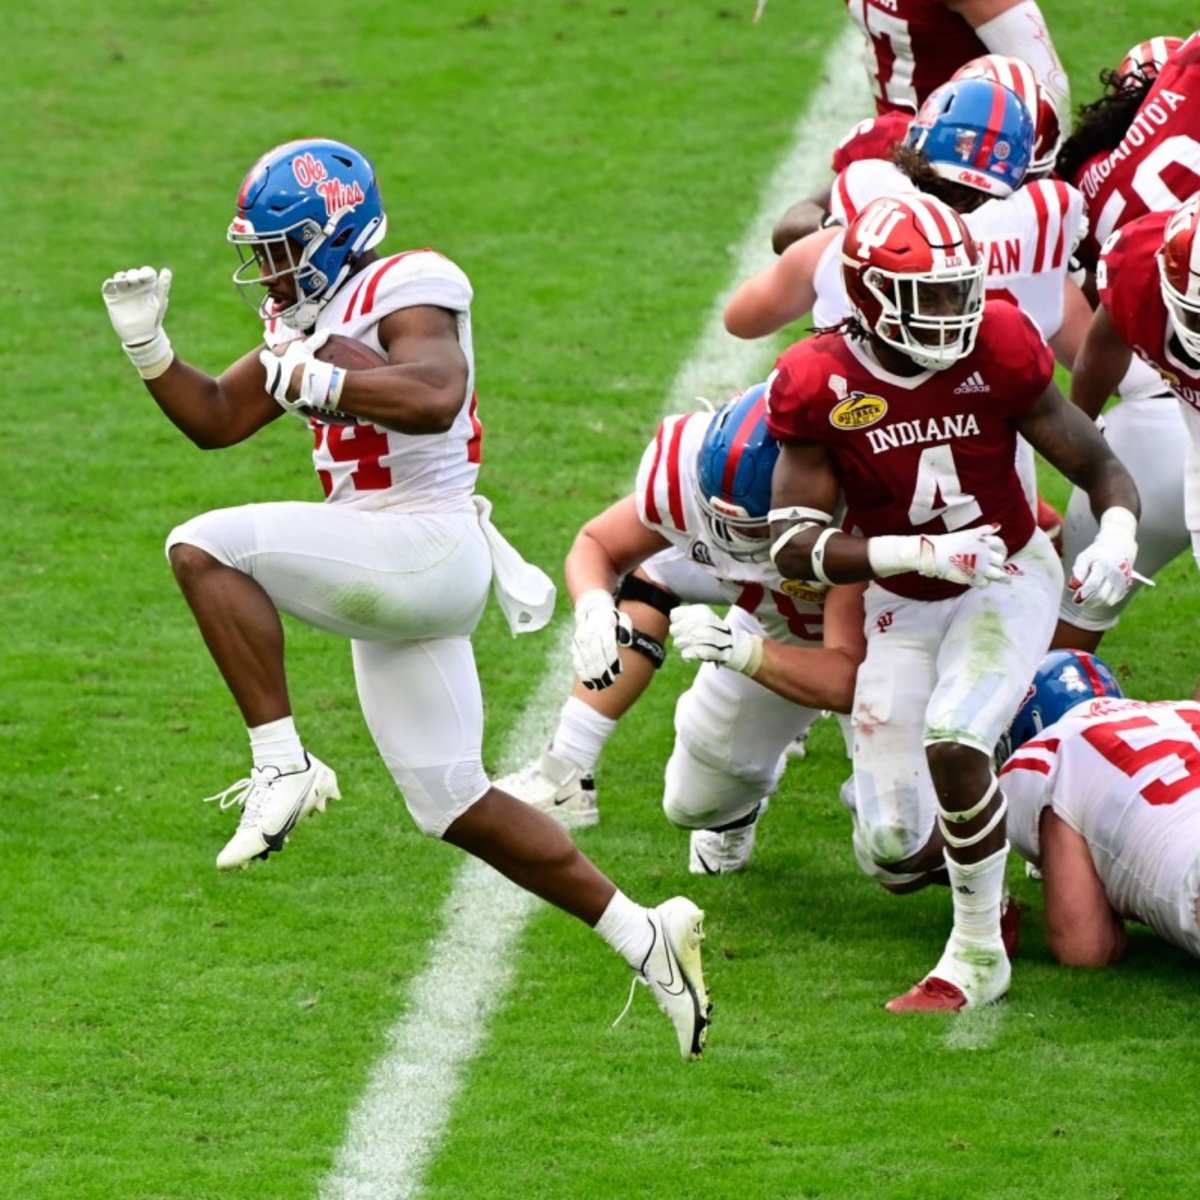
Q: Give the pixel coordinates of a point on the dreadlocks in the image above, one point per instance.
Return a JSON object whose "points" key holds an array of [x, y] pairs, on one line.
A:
{"points": [[917, 167], [1102, 124]]}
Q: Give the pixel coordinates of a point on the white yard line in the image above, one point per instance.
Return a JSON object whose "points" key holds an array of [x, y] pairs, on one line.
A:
{"points": [[398, 1123]]}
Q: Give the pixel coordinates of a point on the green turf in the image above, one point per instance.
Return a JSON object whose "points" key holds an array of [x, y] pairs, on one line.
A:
{"points": [[165, 1032]]}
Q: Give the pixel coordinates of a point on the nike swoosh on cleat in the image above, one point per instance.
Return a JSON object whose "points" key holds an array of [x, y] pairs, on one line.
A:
{"points": [[275, 840], [707, 869]]}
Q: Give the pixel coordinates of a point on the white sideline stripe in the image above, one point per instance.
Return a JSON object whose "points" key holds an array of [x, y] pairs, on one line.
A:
{"points": [[396, 1126], [975, 1028]]}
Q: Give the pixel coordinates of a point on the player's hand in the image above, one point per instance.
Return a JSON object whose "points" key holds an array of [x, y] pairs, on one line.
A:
{"points": [[971, 556], [1103, 572], [137, 303], [701, 636], [298, 380], [600, 628]]}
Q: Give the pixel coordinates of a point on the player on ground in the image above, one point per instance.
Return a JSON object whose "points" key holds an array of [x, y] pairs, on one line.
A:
{"points": [[399, 556], [1149, 284], [694, 529], [913, 46], [1104, 798], [912, 409]]}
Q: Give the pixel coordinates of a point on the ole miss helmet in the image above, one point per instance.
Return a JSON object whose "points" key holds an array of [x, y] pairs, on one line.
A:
{"points": [[975, 132], [1019, 77], [1179, 274], [1064, 679], [1142, 63], [914, 277], [306, 210], [733, 476]]}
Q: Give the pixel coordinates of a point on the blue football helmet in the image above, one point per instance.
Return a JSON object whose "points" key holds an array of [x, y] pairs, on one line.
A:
{"points": [[306, 209], [1064, 678], [977, 133], [733, 476]]}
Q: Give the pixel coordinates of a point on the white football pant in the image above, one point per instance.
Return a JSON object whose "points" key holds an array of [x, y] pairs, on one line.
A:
{"points": [[408, 589], [951, 670]]}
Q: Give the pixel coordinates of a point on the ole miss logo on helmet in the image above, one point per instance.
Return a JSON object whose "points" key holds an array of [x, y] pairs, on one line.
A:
{"points": [[338, 195]]}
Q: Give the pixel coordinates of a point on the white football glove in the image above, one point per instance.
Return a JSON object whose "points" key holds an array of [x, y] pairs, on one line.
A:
{"points": [[701, 636], [137, 303], [599, 629], [1103, 572], [320, 382], [971, 556]]}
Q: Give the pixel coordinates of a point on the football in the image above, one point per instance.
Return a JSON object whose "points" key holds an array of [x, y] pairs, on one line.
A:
{"points": [[350, 355]]}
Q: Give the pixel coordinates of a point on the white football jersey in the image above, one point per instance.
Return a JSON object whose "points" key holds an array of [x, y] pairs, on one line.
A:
{"points": [[667, 493], [1125, 774], [1027, 239], [372, 467]]}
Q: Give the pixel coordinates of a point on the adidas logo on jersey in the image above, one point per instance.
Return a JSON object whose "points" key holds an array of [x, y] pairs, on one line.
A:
{"points": [[973, 384]]}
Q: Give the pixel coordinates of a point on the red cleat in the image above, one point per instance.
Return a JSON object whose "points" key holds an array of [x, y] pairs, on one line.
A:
{"points": [[930, 995], [1050, 522], [1010, 927]]}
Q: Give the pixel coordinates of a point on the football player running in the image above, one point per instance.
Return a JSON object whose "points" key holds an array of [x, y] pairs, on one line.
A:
{"points": [[890, 410], [1148, 279], [1104, 798], [399, 556], [694, 530]]}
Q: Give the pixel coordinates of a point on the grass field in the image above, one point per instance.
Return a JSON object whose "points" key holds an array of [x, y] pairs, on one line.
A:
{"points": [[166, 1032]]}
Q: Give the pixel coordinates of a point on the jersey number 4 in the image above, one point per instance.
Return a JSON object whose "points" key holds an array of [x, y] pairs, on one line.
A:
{"points": [[1173, 781], [939, 494]]}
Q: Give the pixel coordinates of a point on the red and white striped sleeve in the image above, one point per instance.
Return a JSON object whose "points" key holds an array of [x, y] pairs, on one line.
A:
{"points": [[864, 181], [1060, 223], [661, 500], [405, 281]]}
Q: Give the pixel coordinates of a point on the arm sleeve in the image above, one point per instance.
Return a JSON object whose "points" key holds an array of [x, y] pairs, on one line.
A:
{"points": [[1021, 32]]}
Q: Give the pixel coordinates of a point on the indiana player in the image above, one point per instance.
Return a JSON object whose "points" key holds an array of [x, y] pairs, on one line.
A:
{"points": [[912, 409], [1148, 280], [912, 46], [1025, 230], [694, 529], [399, 556], [1150, 160], [1104, 798]]}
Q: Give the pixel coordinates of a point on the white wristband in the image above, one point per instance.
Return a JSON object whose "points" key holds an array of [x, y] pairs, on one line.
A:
{"points": [[1118, 522], [151, 358], [755, 658], [894, 555]]}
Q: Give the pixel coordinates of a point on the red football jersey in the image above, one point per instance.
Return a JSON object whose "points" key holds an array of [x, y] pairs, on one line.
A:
{"points": [[1127, 280], [912, 47], [1157, 164], [872, 138], [928, 453]]}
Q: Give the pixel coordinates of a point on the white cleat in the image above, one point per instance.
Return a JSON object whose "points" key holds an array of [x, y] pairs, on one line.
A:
{"points": [[673, 972], [722, 852], [556, 786], [967, 976], [272, 805]]}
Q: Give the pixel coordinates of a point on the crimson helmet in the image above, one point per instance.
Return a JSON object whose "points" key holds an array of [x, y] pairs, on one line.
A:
{"points": [[1144, 61], [1018, 77], [906, 260], [1179, 274]]}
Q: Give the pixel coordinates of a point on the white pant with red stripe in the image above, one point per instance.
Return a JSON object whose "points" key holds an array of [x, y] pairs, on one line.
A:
{"points": [[951, 670], [408, 589]]}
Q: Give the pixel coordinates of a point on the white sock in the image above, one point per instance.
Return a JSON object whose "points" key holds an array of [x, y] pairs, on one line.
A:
{"points": [[581, 734], [277, 744], [978, 891], [625, 926]]}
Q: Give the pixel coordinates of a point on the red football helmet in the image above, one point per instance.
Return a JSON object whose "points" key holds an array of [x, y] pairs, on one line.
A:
{"points": [[914, 276], [1179, 274], [1018, 77], [1144, 61]]}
